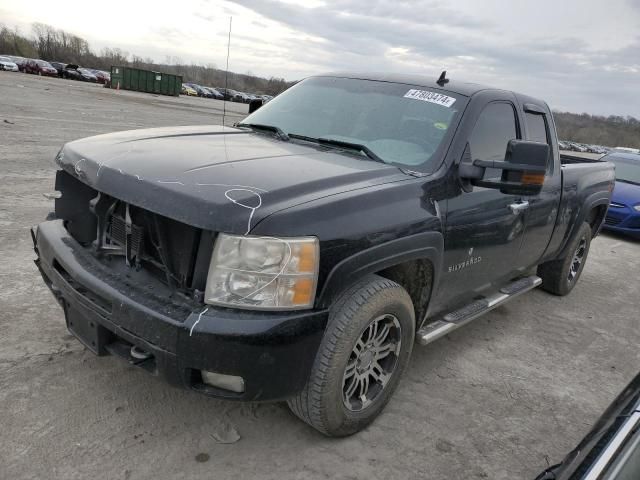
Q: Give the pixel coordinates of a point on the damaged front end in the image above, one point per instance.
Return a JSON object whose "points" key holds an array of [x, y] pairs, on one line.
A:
{"points": [[131, 283], [124, 237]]}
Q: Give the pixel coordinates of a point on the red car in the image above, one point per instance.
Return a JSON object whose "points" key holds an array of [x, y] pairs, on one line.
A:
{"points": [[102, 76], [40, 67]]}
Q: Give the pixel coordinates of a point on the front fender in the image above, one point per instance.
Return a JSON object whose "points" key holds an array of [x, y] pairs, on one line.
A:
{"points": [[426, 245]]}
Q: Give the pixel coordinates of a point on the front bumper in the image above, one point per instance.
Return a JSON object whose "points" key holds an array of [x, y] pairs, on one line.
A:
{"points": [[272, 352], [623, 219]]}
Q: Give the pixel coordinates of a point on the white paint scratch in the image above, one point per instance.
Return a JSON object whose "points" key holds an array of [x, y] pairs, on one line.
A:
{"points": [[244, 205], [76, 167], [100, 165], [249, 187], [198, 321], [138, 177]]}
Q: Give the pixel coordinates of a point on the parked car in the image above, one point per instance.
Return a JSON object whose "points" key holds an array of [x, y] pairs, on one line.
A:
{"points": [[101, 76], [228, 93], [299, 254], [635, 151], [40, 67], [7, 64], [71, 72], [611, 450], [240, 97], [624, 211], [59, 66], [203, 91], [187, 90], [214, 93], [88, 75], [20, 61]]}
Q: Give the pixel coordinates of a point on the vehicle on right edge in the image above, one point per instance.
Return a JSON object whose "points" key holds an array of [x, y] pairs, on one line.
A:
{"points": [[611, 450], [624, 211]]}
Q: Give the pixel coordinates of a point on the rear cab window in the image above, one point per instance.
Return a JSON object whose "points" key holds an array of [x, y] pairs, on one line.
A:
{"points": [[538, 131]]}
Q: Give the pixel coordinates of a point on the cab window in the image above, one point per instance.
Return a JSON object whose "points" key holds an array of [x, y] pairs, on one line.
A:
{"points": [[538, 130], [495, 127]]}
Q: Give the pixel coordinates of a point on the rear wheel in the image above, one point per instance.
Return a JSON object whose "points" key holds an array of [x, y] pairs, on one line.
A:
{"points": [[560, 276], [363, 353]]}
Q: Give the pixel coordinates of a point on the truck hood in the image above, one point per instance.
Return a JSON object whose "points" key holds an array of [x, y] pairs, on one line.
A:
{"points": [[213, 177]]}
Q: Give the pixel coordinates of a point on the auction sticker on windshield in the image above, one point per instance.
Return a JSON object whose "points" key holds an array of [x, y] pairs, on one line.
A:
{"points": [[431, 97]]}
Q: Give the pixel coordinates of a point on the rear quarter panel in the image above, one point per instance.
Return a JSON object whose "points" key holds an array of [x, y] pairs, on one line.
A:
{"points": [[584, 187]]}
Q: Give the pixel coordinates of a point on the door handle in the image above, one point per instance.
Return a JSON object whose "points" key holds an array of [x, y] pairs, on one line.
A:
{"points": [[519, 207]]}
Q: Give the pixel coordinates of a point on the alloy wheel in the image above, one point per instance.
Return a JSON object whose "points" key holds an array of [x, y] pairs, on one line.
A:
{"points": [[372, 362], [578, 258]]}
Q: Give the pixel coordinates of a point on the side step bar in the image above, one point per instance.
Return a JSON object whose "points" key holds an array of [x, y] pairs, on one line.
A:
{"points": [[454, 320]]}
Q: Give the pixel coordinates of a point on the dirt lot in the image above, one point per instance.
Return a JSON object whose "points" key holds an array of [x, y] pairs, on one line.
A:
{"points": [[498, 399]]}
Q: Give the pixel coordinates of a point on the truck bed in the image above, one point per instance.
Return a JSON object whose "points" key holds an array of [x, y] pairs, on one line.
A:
{"points": [[584, 180], [566, 159]]}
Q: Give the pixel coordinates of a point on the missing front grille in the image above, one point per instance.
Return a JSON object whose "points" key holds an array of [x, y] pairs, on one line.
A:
{"points": [[90, 295]]}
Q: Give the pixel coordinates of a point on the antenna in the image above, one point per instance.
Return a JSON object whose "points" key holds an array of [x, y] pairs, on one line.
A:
{"points": [[226, 76], [443, 78]]}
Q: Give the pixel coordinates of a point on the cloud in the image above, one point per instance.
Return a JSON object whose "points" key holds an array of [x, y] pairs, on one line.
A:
{"points": [[585, 56], [425, 36]]}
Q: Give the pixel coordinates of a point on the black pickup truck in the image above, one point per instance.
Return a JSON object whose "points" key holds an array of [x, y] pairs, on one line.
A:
{"points": [[299, 254]]}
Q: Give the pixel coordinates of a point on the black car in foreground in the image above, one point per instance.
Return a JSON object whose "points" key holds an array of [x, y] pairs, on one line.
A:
{"points": [[611, 450], [59, 66], [300, 254], [74, 72]]}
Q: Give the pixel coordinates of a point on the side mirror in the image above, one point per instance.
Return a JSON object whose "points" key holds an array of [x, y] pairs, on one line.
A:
{"points": [[255, 105], [523, 168]]}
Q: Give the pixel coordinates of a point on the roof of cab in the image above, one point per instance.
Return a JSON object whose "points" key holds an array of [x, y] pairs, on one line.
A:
{"points": [[459, 87]]}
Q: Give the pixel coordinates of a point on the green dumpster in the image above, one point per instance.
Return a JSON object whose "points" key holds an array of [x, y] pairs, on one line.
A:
{"points": [[136, 79]]}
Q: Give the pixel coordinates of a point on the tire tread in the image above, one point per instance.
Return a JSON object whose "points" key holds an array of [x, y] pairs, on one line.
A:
{"points": [[308, 404]]}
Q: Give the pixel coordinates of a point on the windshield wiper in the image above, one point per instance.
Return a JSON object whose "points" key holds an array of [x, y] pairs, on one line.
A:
{"points": [[281, 134], [351, 146]]}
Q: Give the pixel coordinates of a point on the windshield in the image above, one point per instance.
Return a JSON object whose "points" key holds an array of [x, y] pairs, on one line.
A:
{"points": [[627, 170], [401, 124], [42, 63]]}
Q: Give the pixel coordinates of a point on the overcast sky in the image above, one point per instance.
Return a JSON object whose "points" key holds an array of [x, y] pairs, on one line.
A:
{"points": [[579, 55]]}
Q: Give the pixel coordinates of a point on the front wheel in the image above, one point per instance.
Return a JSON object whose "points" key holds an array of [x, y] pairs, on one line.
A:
{"points": [[363, 354], [560, 276]]}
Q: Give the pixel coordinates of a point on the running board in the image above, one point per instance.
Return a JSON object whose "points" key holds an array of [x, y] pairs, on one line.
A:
{"points": [[454, 320]]}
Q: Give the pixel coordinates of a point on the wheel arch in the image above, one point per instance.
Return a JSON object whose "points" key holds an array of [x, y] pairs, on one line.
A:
{"points": [[414, 262], [593, 211]]}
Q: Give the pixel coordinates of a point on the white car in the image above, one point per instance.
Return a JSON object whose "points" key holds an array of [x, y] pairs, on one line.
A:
{"points": [[7, 64], [626, 150]]}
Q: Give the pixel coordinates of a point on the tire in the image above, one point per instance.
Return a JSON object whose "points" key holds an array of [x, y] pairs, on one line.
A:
{"points": [[359, 318], [560, 276]]}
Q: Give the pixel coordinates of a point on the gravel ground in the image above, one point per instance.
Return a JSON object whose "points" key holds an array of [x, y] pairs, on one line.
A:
{"points": [[498, 399]]}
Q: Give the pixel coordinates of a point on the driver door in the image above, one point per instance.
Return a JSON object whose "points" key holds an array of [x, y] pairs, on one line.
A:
{"points": [[482, 233]]}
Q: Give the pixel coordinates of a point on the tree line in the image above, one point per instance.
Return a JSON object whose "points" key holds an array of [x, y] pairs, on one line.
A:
{"points": [[611, 131], [49, 43], [53, 44]]}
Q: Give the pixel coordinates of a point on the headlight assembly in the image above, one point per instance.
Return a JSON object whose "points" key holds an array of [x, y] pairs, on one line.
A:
{"points": [[263, 273]]}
